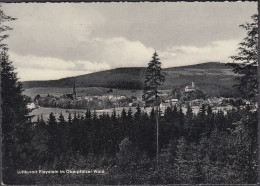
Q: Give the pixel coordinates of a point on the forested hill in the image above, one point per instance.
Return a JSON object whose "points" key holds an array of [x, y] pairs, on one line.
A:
{"points": [[212, 77]]}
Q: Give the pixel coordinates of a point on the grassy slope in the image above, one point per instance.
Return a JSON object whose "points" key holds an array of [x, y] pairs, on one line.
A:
{"points": [[213, 78]]}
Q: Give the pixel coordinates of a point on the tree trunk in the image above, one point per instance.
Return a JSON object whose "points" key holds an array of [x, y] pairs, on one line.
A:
{"points": [[157, 132]]}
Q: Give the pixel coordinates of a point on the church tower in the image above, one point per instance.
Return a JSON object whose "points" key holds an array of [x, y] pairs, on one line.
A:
{"points": [[193, 83], [74, 91]]}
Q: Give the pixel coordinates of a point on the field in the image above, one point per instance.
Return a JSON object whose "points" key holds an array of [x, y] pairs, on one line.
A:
{"points": [[45, 112], [81, 91]]}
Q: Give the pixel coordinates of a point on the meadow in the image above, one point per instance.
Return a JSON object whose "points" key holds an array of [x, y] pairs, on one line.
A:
{"points": [[81, 91], [45, 111]]}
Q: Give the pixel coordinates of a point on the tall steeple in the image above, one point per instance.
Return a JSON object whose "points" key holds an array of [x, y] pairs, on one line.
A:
{"points": [[193, 83], [74, 90]]}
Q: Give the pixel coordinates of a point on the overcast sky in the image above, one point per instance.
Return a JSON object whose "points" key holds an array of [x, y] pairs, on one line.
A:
{"points": [[56, 40]]}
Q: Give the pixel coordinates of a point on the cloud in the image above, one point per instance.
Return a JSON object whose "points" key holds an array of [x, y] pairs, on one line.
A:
{"points": [[67, 30], [49, 30], [32, 67], [70, 39], [187, 55], [98, 54], [119, 52], [27, 74]]}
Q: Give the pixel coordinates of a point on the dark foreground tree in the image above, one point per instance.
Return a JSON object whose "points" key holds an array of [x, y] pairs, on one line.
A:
{"points": [[3, 28], [153, 79], [16, 126], [245, 62], [15, 120]]}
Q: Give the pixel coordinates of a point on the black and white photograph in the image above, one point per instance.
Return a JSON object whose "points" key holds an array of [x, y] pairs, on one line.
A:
{"points": [[129, 93]]}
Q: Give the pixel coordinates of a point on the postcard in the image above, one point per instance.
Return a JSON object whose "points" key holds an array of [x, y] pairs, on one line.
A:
{"points": [[124, 93]]}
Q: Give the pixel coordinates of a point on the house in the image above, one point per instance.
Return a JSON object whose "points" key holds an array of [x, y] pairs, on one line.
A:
{"points": [[89, 98], [79, 98], [163, 105], [163, 96], [174, 102], [196, 102], [31, 106], [122, 97]]}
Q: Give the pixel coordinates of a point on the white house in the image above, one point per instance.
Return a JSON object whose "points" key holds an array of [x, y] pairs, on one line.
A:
{"points": [[31, 106], [163, 106], [174, 101]]}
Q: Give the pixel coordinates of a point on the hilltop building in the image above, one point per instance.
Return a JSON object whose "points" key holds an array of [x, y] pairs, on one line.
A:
{"points": [[190, 88]]}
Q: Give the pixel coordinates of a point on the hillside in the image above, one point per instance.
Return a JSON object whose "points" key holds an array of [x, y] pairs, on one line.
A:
{"points": [[212, 77]]}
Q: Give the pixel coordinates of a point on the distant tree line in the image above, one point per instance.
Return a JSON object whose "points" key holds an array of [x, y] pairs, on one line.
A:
{"points": [[67, 103]]}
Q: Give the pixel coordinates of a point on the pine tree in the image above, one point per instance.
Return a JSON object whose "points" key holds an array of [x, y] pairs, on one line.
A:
{"points": [[130, 115], [245, 62], [124, 124], [188, 118], [182, 161], [16, 126], [181, 121], [209, 120], [3, 28], [113, 116], [138, 114], [88, 115], [123, 115], [75, 119], [152, 115], [69, 119], [153, 79], [168, 115], [61, 119], [202, 117]]}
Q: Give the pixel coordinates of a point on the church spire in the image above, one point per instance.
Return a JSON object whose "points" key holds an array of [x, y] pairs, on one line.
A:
{"points": [[74, 90], [193, 83]]}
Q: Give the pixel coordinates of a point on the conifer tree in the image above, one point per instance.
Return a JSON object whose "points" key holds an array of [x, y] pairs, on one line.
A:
{"points": [[123, 115], [61, 119], [138, 114], [209, 120], [52, 120], [181, 121], [202, 117], [69, 118], [130, 115], [152, 115], [88, 114], [113, 116], [16, 134], [188, 117], [153, 79], [4, 28], [245, 62]]}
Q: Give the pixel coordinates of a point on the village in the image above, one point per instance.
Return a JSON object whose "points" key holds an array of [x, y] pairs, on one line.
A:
{"points": [[111, 100]]}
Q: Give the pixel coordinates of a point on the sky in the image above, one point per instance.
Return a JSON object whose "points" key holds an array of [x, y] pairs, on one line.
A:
{"points": [[57, 40]]}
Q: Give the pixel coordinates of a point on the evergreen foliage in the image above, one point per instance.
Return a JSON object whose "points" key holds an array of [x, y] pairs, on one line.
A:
{"points": [[245, 62], [153, 79]]}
